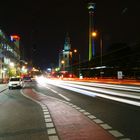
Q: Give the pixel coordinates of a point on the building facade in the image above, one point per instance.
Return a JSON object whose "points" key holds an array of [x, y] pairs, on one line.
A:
{"points": [[9, 56], [65, 55]]}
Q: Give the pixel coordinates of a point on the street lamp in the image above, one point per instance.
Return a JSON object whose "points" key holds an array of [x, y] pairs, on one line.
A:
{"points": [[79, 59], [12, 64], [63, 62], [75, 51], [94, 34]]}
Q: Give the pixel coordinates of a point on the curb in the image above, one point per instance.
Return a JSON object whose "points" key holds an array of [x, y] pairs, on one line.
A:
{"points": [[3, 89]]}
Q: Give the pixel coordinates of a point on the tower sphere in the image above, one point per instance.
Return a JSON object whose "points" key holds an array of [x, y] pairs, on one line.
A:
{"points": [[91, 6]]}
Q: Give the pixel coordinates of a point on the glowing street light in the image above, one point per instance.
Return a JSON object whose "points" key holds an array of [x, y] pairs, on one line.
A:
{"points": [[63, 62], [24, 69], [12, 64], [75, 51], [94, 34]]}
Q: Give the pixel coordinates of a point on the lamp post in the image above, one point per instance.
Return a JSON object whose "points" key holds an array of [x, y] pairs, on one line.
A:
{"points": [[79, 59], [101, 52], [63, 62], [94, 34]]}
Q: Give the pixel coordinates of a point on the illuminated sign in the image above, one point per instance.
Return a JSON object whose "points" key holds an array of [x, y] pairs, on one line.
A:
{"points": [[15, 37]]}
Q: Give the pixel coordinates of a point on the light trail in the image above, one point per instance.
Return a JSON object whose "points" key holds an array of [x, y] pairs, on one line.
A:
{"points": [[42, 82], [93, 92], [119, 87], [103, 91]]}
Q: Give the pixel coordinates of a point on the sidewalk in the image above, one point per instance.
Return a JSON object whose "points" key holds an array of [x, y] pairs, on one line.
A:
{"points": [[69, 123]]}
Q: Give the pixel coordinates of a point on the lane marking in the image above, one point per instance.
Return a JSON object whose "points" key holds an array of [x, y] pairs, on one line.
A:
{"points": [[74, 106], [65, 102], [46, 113], [45, 110], [64, 97], [51, 131], [70, 104], [106, 126], [86, 113], [82, 110], [125, 139], [67, 99], [53, 138], [98, 121], [78, 108], [91, 117], [49, 125], [47, 116], [48, 120], [116, 133], [53, 90]]}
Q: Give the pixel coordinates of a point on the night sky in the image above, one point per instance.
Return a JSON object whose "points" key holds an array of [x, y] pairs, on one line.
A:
{"points": [[42, 25]]}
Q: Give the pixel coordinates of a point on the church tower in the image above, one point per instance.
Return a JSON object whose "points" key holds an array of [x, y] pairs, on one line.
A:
{"points": [[65, 55]]}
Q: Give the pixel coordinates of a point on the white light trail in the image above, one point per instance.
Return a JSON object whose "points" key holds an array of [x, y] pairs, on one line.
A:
{"points": [[104, 91], [93, 92], [42, 81], [120, 87]]}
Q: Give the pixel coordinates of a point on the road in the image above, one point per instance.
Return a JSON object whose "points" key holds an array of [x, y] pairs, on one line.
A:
{"points": [[116, 109], [20, 118]]}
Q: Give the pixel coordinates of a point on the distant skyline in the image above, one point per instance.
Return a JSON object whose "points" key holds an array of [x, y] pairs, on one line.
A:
{"points": [[42, 25]]}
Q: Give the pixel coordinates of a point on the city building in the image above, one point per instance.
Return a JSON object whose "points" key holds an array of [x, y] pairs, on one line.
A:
{"points": [[9, 56], [65, 56]]}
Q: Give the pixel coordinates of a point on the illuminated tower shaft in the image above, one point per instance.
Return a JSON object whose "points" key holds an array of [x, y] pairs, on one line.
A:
{"points": [[91, 7]]}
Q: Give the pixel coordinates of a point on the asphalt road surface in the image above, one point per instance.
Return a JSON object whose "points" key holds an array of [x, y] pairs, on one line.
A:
{"points": [[122, 113], [20, 118], [118, 112]]}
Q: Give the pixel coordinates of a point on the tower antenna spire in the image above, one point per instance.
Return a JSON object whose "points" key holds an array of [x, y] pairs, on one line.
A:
{"points": [[91, 8]]}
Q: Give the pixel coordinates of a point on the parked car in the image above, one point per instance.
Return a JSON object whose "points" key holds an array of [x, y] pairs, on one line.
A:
{"points": [[15, 82]]}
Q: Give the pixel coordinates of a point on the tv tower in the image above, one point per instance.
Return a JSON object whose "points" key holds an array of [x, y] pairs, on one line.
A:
{"points": [[91, 7]]}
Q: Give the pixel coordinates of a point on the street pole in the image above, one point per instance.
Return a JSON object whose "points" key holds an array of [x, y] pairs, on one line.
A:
{"points": [[101, 53], [63, 65], [79, 66]]}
